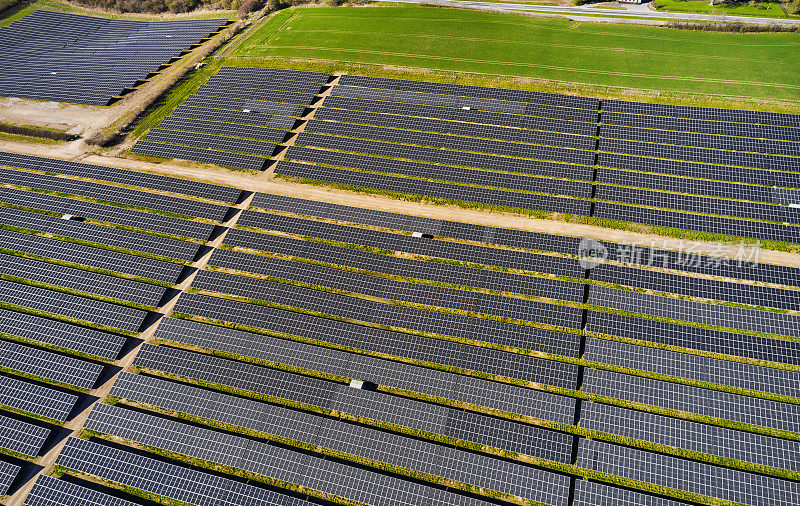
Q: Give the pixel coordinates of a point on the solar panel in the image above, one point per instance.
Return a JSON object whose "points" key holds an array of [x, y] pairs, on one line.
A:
{"points": [[60, 334], [85, 281], [8, 473], [694, 367], [36, 399], [49, 491], [21, 437], [90, 256], [589, 493], [698, 437], [691, 399], [469, 91], [71, 306], [695, 338], [236, 160], [48, 365], [317, 392], [697, 312], [49, 63], [107, 213], [682, 111], [109, 193]]}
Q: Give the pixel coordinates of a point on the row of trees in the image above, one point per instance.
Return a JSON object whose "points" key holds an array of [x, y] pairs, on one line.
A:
{"points": [[173, 6]]}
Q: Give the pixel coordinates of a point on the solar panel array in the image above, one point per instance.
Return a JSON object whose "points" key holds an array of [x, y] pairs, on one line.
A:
{"points": [[236, 119], [516, 149], [44, 60], [656, 165], [714, 171], [441, 341], [74, 292]]}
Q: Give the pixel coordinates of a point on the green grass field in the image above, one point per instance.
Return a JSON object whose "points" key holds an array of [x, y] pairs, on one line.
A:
{"points": [[762, 66], [760, 9]]}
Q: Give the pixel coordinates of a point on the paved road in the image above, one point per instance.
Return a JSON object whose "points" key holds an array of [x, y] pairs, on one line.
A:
{"points": [[632, 10]]}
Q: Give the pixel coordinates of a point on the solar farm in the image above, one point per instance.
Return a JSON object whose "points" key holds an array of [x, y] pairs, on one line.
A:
{"points": [[314, 287]]}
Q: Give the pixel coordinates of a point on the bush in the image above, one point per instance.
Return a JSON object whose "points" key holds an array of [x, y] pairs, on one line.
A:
{"points": [[247, 7]]}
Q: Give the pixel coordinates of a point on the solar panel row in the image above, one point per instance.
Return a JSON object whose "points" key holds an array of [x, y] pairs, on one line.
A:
{"points": [[695, 477], [89, 256]]}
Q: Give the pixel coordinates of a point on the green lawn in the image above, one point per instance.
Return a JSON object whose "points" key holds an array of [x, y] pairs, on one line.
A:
{"points": [[22, 9], [760, 9], [639, 57]]}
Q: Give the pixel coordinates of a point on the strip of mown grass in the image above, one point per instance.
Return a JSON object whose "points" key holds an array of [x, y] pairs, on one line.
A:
{"points": [[627, 56], [766, 9]]}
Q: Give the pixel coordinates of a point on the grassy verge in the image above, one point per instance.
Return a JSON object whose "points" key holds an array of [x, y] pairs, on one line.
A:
{"points": [[757, 9]]}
